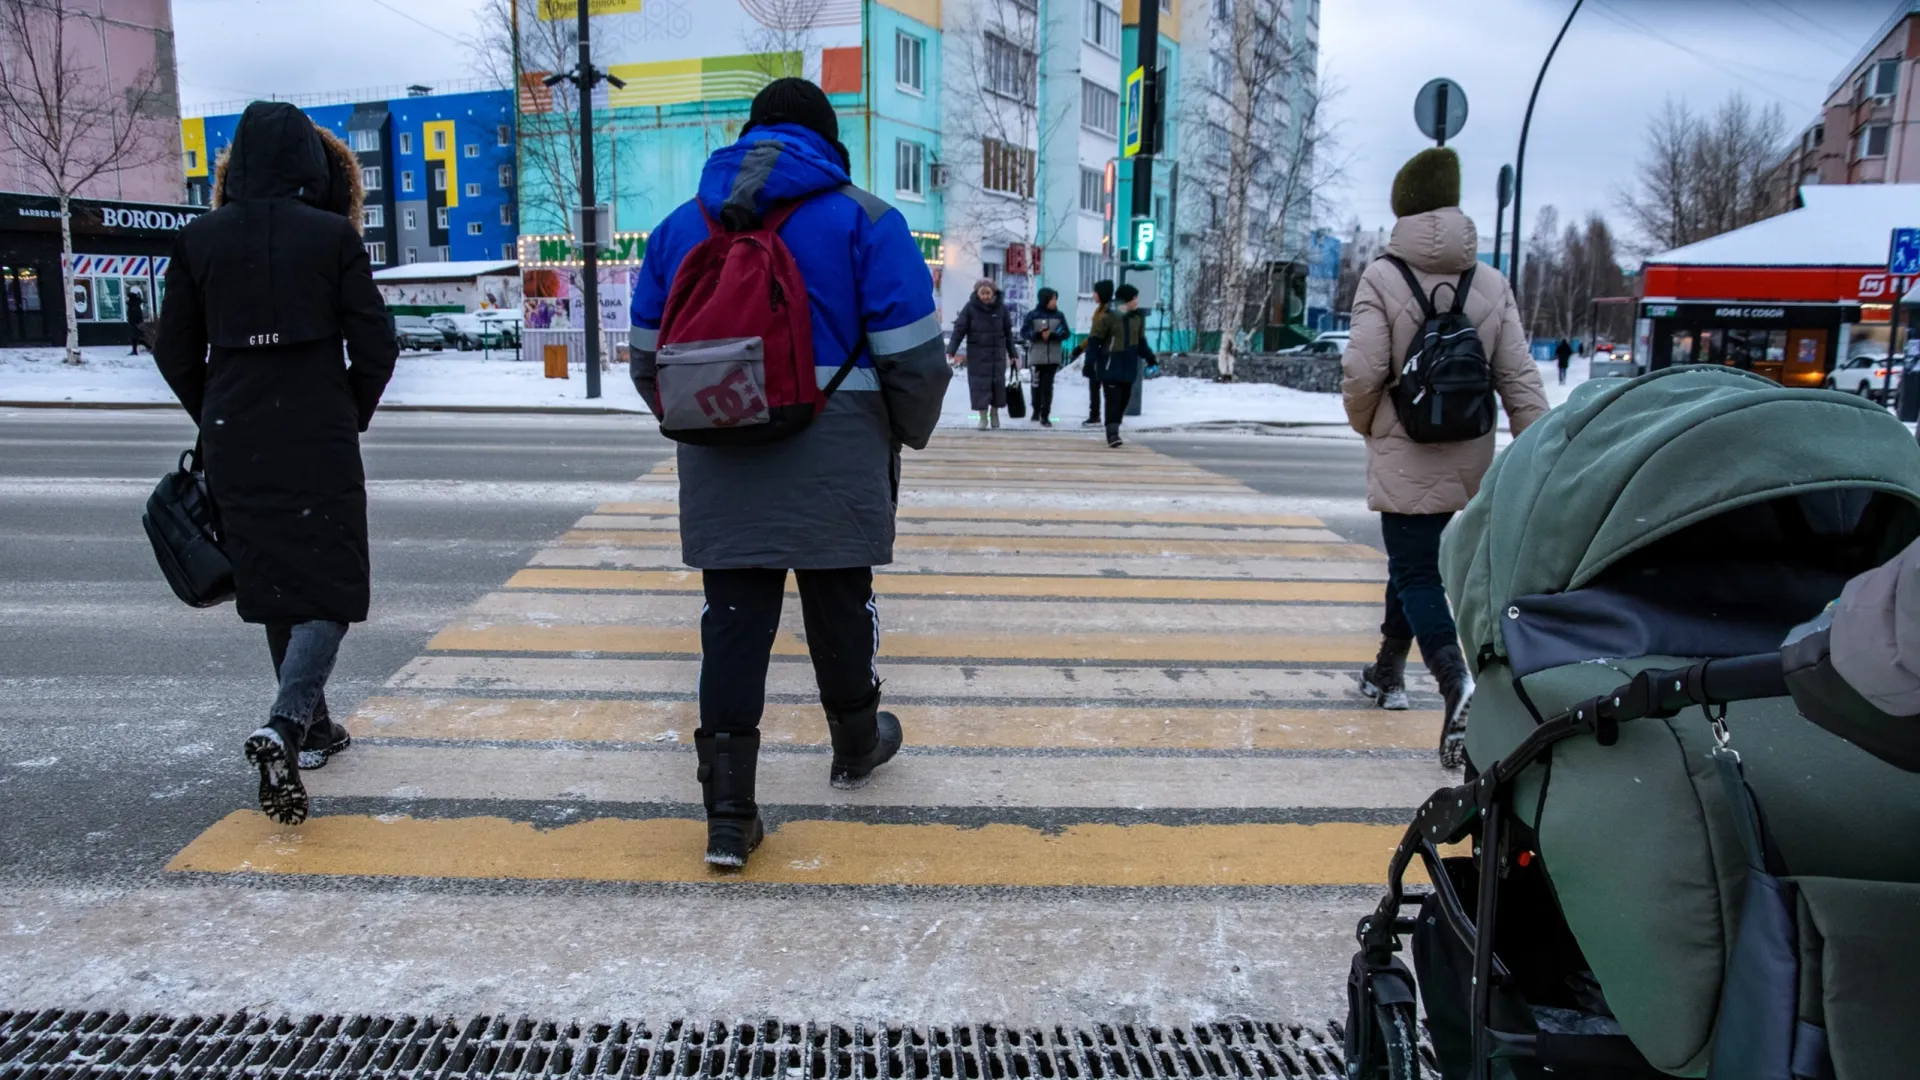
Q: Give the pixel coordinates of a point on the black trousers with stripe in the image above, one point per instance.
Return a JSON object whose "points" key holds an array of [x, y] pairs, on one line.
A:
{"points": [[737, 631]]}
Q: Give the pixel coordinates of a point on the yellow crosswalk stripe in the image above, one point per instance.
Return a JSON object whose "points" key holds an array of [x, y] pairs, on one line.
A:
{"points": [[800, 852], [1090, 545], [911, 512], [455, 719], [1067, 588]]}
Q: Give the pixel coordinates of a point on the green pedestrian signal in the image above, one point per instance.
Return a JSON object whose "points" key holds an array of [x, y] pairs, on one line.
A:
{"points": [[1144, 234]]}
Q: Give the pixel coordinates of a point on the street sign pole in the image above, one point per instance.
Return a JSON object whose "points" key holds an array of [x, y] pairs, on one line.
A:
{"points": [[1903, 260], [589, 243], [1504, 192]]}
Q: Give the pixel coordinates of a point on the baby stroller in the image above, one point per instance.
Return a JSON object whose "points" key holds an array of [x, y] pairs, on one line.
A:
{"points": [[1649, 888]]}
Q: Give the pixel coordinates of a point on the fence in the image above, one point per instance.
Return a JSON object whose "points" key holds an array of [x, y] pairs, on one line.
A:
{"points": [[613, 346]]}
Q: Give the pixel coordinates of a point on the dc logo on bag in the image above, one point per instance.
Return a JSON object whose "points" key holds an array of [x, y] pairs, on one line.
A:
{"points": [[732, 400]]}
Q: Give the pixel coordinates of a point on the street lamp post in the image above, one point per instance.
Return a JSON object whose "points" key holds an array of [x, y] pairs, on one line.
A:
{"points": [[585, 78], [1520, 160]]}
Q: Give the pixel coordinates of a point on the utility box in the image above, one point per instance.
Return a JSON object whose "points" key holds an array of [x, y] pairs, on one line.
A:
{"points": [[1146, 278]]}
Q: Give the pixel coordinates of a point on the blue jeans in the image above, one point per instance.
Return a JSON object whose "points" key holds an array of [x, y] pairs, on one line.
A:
{"points": [[1416, 598], [303, 655]]}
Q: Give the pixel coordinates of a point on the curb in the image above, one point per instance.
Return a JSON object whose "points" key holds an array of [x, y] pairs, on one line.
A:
{"points": [[529, 410]]}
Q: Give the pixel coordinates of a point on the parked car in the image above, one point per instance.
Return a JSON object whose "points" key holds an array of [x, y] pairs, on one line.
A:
{"points": [[1866, 374], [1321, 346], [414, 332], [1341, 336], [1610, 361], [467, 331]]}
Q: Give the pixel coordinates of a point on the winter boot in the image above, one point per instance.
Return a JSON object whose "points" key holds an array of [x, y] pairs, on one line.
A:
{"points": [[863, 740], [1385, 680], [325, 738], [994, 412], [274, 749], [983, 420], [1456, 689], [727, 766]]}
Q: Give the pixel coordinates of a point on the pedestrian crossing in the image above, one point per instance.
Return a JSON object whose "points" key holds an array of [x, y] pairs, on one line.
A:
{"points": [[1114, 670]]}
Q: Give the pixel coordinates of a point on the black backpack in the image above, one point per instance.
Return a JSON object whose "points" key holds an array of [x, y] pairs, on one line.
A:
{"points": [[1445, 392], [184, 528]]}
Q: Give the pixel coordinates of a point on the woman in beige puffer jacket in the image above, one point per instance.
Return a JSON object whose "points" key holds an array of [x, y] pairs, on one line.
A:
{"points": [[1417, 487]]}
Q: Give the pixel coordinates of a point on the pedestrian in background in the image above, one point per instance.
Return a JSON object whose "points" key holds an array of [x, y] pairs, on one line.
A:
{"points": [[1563, 355], [821, 502], [1417, 487], [985, 327], [1046, 332], [1124, 334], [262, 294], [1094, 347], [136, 318]]}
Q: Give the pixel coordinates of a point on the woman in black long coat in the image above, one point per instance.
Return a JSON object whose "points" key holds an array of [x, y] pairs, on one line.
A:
{"points": [[261, 295]]}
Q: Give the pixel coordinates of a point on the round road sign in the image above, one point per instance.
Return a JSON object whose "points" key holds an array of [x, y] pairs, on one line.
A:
{"points": [[1440, 109]]}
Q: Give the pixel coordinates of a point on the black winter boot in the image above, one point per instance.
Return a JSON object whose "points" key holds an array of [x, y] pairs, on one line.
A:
{"points": [[1456, 688], [1385, 680], [863, 740], [274, 749], [727, 767], [325, 738]]}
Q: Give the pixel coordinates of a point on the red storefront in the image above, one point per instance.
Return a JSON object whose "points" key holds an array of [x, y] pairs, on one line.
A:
{"points": [[1789, 297]]}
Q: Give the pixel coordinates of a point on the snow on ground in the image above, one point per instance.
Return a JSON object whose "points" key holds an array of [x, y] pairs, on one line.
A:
{"points": [[449, 379]]}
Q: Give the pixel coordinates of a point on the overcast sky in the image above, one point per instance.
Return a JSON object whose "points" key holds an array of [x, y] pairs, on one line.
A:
{"points": [[1620, 61]]}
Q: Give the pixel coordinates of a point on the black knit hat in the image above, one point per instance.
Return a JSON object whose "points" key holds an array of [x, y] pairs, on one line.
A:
{"points": [[1103, 291], [1040, 298], [1430, 180], [797, 101], [1126, 292]]}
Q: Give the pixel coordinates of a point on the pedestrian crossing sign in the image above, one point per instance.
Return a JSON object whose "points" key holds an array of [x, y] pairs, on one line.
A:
{"points": [[1136, 106]]}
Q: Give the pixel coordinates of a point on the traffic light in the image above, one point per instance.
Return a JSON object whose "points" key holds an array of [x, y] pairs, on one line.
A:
{"points": [[1140, 247]]}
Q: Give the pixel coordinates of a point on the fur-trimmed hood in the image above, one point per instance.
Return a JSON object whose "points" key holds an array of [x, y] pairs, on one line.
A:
{"points": [[287, 163]]}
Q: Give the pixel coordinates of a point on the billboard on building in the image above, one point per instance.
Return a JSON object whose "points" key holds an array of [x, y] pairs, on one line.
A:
{"points": [[676, 52]]}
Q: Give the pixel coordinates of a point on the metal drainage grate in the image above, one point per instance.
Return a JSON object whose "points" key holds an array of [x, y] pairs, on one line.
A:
{"points": [[100, 1044]]}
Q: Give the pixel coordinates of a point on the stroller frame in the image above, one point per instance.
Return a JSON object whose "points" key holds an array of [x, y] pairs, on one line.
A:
{"points": [[1381, 989]]}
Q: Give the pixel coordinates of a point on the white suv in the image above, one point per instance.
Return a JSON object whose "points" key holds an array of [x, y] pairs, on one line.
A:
{"points": [[1865, 374]]}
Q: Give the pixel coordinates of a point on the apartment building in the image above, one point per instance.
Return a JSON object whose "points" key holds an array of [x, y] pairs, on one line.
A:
{"points": [[440, 169], [1866, 133]]}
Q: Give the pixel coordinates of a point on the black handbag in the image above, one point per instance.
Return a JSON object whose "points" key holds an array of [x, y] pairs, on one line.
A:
{"points": [[184, 527], [1016, 397]]}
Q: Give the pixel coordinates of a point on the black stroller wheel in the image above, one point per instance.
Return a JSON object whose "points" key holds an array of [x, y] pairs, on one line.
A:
{"points": [[1398, 1030]]}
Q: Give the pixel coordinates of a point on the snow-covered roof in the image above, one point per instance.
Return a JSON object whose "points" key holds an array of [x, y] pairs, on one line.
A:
{"points": [[445, 271], [1838, 225]]}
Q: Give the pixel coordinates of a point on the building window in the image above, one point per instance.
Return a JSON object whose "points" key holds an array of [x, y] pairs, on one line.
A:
{"points": [[503, 135], [406, 180], [506, 215], [1010, 69], [1006, 168], [1886, 78], [370, 178], [1100, 26], [364, 140], [1092, 195], [413, 256], [1092, 269], [990, 271], [440, 216], [377, 253], [473, 149], [909, 169], [1873, 140], [909, 59], [507, 252], [439, 141], [473, 191], [410, 219], [439, 179], [373, 217], [1220, 74], [193, 160], [406, 142], [1223, 10], [506, 176], [1099, 108], [474, 228]]}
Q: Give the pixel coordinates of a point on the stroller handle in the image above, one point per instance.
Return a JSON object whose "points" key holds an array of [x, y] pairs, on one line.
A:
{"points": [[1660, 694]]}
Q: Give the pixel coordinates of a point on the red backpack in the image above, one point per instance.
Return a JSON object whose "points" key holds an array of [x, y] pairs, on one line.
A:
{"points": [[735, 362]]}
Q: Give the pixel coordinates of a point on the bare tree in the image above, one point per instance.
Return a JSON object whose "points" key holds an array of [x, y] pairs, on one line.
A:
{"points": [[1567, 270], [60, 118], [1704, 175], [782, 30], [1266, 162], [994, 54]]}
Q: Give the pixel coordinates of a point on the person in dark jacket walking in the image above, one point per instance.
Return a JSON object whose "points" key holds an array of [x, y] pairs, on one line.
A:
{"points": [[261, 295], [820, 503], [1562, 355], [136, 318], [1093, 346], [1124, 336], [985, 326], [1045, 331]]}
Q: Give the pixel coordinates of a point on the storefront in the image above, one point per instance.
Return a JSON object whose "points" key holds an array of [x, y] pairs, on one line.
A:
{"points": [[1790, 297], [120, 250]]}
